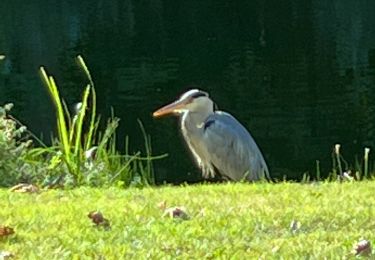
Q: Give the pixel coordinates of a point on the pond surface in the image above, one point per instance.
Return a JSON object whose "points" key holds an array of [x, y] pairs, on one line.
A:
{"points": [[299, 74]]}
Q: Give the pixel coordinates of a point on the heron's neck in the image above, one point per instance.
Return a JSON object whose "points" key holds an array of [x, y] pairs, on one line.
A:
{"points": [[194, 121]]}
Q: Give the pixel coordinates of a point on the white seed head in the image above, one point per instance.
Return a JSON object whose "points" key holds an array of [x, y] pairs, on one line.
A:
{"points": [[8, 106], [337, 149], [90, 153], [22, 129], [367, 151], [78, 107]]}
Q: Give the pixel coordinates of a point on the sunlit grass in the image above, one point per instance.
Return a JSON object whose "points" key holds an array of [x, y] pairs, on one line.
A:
{"points": [[238, 221]]}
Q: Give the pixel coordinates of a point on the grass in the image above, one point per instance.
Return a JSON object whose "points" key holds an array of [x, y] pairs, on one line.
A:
{"points": [[240, 221]]}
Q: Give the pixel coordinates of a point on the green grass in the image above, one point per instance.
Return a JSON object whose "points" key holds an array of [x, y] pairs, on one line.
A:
{"points": [[226, 220]]}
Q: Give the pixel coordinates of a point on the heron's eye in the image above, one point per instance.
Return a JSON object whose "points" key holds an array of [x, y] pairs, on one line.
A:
{"points": [[198, 94]]}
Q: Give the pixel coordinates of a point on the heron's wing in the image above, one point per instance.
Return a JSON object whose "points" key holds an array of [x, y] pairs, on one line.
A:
{"points": [[231, 149]]}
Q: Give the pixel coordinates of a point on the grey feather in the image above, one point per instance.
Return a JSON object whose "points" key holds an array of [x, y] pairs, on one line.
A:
{"points": [[232, 150], [222, 143]]}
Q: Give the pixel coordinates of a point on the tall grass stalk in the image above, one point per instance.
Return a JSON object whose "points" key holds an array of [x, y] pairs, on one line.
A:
{"points": [[367, 151], [317, 170], [62, 128], [337, 153], [358, 172], [149, 168], [83, 66]]}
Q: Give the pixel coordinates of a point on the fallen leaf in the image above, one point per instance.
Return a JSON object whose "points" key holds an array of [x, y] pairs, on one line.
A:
{"points": [[98, 219], [6, 231], [24, 188], [363, 248], [5, 255], [347, 176], [176, 212]]}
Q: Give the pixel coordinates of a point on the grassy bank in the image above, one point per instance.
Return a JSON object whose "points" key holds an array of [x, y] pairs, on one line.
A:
{"points": [[226, 220]]}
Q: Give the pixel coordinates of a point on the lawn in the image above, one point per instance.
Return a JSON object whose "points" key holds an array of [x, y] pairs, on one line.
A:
{"points": [[225, 220]]}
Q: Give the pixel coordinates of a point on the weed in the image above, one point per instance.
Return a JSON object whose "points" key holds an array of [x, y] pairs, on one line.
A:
{"points": [[14, 145], [81, 154]]}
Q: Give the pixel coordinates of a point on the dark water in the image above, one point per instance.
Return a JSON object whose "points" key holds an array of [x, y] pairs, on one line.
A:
{"points": [[299, 74]]}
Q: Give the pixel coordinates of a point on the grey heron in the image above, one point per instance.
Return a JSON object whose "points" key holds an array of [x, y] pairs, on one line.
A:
{"points": [[219, 143]]}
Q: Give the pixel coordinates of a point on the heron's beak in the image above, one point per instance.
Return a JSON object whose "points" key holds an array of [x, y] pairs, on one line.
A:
{"points": [[174, 107]]}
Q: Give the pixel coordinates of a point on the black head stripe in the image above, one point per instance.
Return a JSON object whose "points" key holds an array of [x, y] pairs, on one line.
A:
{"points": [[199, 94]]}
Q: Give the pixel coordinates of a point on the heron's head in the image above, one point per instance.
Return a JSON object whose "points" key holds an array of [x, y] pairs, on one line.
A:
{"points": [[194, 100]]}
